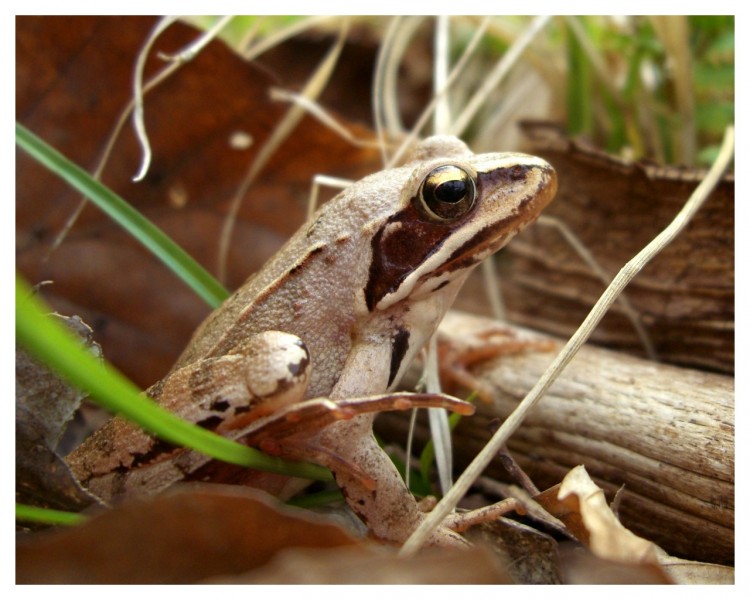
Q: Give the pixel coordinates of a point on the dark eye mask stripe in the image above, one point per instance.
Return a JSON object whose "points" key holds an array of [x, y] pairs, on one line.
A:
{"points": [[397, 253]]}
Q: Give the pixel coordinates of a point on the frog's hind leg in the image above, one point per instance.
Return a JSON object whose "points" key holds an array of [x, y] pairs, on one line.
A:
{"points": [[338, 435]]}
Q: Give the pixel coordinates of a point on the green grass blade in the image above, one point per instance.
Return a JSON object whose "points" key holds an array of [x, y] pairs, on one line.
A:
{"points": [[148, 234], [36, 514], [579, 103], [51, 343]]}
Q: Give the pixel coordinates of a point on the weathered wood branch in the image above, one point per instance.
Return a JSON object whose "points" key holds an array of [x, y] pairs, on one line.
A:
{"points": [[665, 433]]}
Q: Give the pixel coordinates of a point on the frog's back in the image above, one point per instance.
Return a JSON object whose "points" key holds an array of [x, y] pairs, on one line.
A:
{"points": [[308, 287]]}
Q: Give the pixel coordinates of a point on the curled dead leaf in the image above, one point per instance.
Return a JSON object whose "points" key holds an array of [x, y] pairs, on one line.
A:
{"points": [[582, 506]]}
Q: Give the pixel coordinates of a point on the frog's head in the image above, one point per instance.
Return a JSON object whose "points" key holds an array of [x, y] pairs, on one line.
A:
{"points": [[455, 209]]}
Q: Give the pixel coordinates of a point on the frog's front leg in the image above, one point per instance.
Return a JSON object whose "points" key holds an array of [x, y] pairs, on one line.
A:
{"points": [[388, 508]]}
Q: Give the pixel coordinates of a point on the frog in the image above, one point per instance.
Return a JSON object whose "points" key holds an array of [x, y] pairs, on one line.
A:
{"points": [[301, 357]]}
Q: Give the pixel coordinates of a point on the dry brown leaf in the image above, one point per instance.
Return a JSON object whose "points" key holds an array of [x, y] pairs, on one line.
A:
{"points": [[688, 572], [581, 505], [579, 567], [379, 565], [73, 78], [191, 533]]}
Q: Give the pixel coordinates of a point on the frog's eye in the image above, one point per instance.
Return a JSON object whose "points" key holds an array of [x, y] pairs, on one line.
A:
{"points": [[447, 193]]}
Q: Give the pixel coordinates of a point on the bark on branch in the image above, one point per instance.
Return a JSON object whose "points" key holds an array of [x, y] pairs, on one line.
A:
{"points": [[666, 433]]}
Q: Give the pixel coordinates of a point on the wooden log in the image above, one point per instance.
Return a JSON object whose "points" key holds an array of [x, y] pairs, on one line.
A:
{"points": [[665, 433]]}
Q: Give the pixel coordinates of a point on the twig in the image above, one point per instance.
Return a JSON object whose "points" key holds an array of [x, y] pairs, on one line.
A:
{"points": [[516, 472], [138, 122]]}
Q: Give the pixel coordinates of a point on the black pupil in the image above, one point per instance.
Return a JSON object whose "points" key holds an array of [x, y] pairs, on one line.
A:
{"points": [[451, 191]]}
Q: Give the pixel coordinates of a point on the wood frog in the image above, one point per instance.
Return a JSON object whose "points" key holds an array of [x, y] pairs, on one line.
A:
{"points": [[299, 359]]}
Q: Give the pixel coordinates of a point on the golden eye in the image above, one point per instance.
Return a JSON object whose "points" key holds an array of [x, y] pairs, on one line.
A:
{"points": [[446, 193]]}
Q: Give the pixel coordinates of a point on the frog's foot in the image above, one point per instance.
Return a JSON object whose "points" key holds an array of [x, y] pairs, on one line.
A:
{"points": [[463, 520], [457, 356]]}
